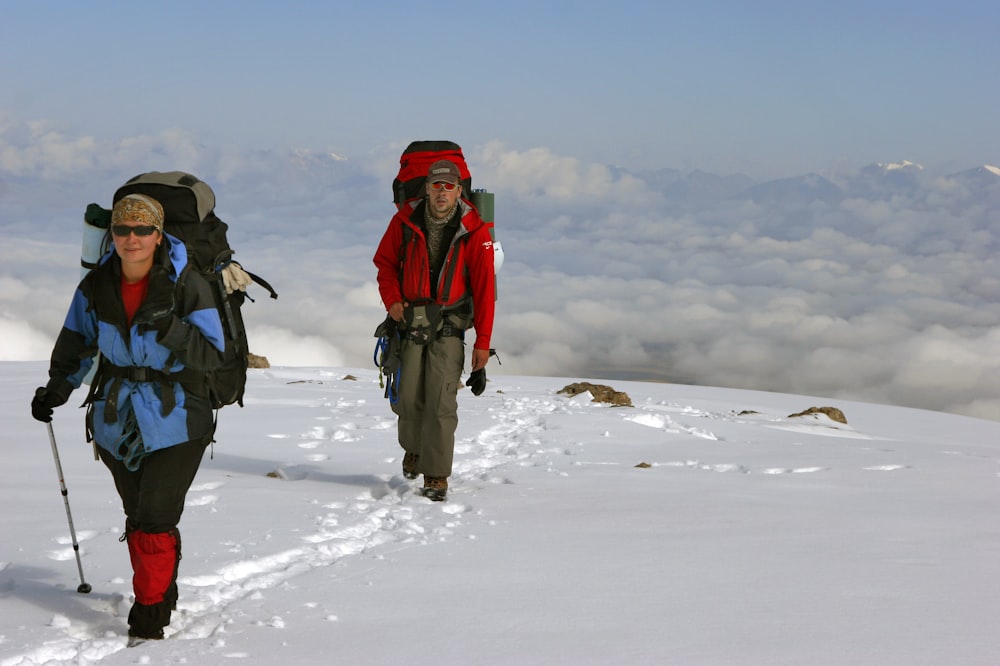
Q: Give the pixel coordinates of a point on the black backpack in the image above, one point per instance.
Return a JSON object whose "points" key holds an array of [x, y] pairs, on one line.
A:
{"points": [[189, 215]]}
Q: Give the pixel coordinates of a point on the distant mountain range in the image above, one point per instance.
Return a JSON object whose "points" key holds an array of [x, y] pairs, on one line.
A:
{"points": [[874, 182]]}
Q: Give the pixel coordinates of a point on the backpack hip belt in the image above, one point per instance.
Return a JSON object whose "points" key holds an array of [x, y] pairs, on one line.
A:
{"points": [[189, 379], [426, 323], [454, 326]]}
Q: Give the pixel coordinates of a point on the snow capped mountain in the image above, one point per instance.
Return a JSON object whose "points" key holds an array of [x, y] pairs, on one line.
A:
{"points": [[315, 159], [896, 166], [880, 180], [986, 177], [877, 181], [987, 171]]}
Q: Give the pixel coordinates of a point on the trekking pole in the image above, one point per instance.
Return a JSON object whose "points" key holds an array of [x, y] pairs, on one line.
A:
{"points": [[84, 587]]}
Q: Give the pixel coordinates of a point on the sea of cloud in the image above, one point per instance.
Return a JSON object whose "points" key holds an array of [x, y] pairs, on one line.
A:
{"points": [[878, 284]]}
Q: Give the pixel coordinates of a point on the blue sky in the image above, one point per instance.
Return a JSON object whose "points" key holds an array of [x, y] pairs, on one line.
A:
{"points": [[770, 88], [866, 282]]}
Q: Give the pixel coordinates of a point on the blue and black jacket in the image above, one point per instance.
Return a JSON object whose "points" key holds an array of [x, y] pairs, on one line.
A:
{"points": [[157, 376]]}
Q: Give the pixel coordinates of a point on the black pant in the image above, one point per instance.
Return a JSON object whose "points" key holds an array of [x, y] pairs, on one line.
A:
{"points": [[153, 496]]}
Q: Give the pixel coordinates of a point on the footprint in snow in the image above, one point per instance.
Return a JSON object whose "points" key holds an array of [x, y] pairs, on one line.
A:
{"points": [[728, 467], [794, 470], [210, 485], [82, 535], [343, 436], [68, 553]]}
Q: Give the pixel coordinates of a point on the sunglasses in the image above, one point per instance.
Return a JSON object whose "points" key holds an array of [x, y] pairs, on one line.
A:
{"points": [[447, 187], [123, 230]]}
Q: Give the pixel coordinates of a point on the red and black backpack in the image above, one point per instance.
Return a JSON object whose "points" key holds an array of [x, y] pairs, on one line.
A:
{"points": [[408, 184], [417, 159]]}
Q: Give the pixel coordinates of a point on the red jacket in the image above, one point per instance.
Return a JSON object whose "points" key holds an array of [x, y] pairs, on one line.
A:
{"points": [[404, 274]]}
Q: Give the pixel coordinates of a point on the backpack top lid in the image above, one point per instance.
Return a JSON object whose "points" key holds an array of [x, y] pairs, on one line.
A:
{"points": [[417, 159], [185, 198]]}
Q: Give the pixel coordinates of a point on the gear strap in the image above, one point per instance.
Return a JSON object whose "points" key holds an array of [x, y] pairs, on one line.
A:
{"points": [[116, 374]]}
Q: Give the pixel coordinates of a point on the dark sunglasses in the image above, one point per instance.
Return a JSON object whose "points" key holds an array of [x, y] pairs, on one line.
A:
{"points": [[123, 230], [448, 187]]}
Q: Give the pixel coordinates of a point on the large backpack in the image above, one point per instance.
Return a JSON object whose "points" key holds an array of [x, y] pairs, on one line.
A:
{"points": [[416, 159], [189, 215], [408, 184]]}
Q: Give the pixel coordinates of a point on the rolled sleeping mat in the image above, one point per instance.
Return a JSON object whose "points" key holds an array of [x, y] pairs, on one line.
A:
{"points": [[483, 201], [96, 241]]}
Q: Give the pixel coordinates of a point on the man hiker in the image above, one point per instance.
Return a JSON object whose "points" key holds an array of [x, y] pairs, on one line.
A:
{"points": [[436, 279]]}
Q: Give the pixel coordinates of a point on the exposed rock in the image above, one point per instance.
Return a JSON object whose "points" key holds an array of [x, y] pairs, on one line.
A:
{"points": [[644, 465], [255, 361], [600, 392], [832, 412]]}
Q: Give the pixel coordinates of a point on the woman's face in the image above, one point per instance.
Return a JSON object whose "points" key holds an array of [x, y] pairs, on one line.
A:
{"points": [[135, 243]]}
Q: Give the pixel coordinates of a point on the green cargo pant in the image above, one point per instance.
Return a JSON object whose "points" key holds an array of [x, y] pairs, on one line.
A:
{"points": [[428, 402]]}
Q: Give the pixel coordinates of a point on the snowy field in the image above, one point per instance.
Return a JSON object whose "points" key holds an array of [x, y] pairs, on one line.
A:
{"points": [[747, 536]]}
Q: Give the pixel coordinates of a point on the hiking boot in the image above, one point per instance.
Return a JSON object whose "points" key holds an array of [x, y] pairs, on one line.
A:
{"points": [[410, 461], [435, 488], [136, 637]]}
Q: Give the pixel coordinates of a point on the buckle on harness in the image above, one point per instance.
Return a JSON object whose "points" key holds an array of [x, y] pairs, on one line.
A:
{"points": [[419, 336], [141, 374], [450, 330], [423, 322]]}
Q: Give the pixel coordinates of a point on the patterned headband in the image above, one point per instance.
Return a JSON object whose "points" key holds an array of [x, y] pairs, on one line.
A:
{"points": [[138, 208]]}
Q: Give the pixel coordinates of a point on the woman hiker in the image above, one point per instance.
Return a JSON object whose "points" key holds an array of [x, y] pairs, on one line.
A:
{"points": [[154, 321]]}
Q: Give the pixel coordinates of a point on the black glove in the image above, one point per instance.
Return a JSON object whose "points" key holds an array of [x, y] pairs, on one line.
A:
{"points": [[44, 402], [477, 381]]}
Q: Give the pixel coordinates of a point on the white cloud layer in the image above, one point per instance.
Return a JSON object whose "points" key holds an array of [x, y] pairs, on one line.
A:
{"points": [[21, 342], [875, 284]]}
